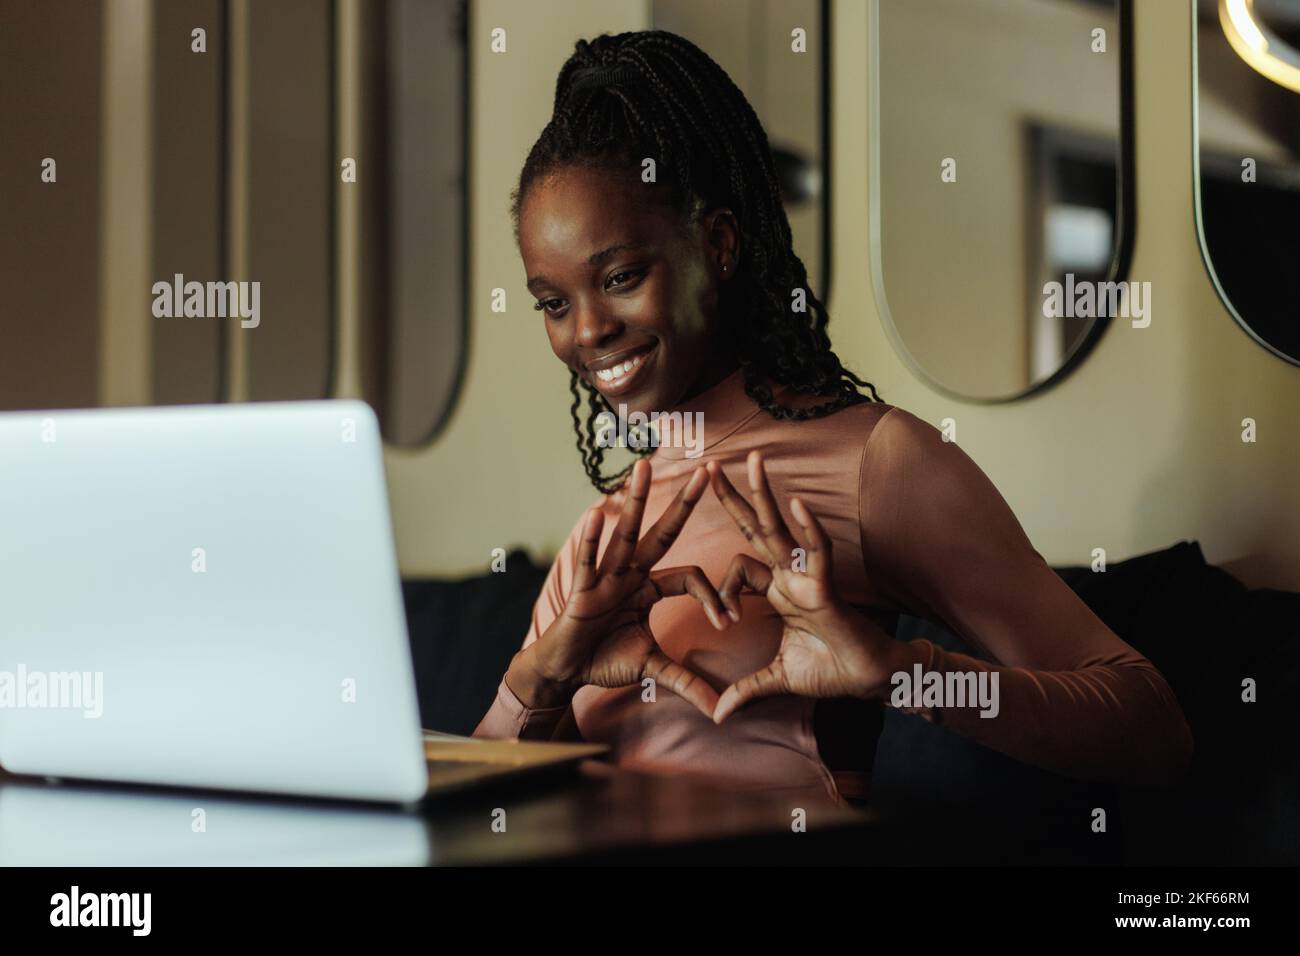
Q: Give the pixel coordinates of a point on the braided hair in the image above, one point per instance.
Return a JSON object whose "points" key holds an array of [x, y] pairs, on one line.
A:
{"points": [[621, 98]]}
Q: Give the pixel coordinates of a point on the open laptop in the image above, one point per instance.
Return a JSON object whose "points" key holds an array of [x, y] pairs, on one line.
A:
{"points": [[208, 596]]}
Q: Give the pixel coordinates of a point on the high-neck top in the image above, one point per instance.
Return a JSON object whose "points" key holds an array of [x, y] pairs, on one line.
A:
{"points": [[723, 409], [916, 528]]}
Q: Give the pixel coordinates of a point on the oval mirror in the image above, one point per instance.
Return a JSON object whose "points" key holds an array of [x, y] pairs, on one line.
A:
{"points": [[1247, 153], [1001, 193]]}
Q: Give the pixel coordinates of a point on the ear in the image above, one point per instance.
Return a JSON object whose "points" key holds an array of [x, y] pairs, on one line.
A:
{"points": [[721, 242]]}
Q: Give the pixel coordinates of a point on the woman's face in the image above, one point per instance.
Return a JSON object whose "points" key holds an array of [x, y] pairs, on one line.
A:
{"points": [[629, 300]]}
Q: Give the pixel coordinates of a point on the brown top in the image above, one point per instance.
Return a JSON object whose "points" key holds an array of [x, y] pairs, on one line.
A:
{"points": [[917, 528]]}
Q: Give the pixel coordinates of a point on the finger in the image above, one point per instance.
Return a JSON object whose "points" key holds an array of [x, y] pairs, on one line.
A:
{"points": [[739, 509], [584, 578], [745, 571], [768, 682], [780, 542], [672, 582], [685, 683], [622, 544], [664, 532], [819, 542]]}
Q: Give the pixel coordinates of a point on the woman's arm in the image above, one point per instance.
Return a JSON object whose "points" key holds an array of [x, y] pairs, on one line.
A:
{"points": [[941, 542], [509, 717]]}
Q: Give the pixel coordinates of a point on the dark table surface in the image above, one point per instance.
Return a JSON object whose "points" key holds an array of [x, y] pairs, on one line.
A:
{"points": [[591, 813]]}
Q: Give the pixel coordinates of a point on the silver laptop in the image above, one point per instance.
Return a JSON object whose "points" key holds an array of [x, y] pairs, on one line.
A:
{"points": [[208, 596]]}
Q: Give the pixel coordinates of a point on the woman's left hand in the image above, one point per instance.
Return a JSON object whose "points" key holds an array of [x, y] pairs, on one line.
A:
{"points": [[828, 649]]}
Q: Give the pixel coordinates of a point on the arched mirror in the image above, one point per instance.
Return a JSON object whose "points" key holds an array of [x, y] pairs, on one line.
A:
{"points": [[1247, 148], [423, 345], [1001, 186]]}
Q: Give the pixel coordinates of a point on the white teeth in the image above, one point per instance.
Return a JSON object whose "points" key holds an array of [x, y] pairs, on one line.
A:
{"points": [[618, 371]]}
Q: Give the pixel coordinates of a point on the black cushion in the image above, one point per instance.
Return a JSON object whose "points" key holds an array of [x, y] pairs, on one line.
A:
{"points": [[1204, 631], [463, 634]]}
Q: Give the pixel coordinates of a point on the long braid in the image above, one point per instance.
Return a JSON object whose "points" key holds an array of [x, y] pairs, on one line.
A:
{"points": [[621, 98]]}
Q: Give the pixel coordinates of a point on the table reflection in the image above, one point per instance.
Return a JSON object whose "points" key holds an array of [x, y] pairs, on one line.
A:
{"points": [[82, 825]]}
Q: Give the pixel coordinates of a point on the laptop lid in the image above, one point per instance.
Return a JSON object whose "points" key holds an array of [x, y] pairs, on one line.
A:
{"points": [[205, 596]]}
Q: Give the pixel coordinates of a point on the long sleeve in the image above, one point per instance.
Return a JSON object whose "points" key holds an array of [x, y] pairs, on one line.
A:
{"points": [[508, 717], [942, 543]]}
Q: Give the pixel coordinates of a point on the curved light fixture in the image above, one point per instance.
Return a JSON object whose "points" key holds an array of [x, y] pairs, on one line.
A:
{"points": [[1261, 48]]}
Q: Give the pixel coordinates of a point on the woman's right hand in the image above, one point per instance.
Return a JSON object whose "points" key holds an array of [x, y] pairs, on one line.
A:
{"points": [[603, 636]]}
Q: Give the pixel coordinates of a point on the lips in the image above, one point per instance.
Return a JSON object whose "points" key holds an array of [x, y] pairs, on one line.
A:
{"points": [[617, 372]]}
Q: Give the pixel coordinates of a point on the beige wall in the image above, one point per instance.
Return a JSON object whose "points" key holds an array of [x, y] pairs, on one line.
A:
{"points": [[1137, 449]]}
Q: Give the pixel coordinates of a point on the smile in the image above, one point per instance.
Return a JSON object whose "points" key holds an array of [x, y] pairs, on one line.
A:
{"points": [[620, 376]]}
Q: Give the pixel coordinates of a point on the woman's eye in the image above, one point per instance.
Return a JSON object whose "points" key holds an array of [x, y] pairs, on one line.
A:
{"points": [[548, 306], [624, 278]]}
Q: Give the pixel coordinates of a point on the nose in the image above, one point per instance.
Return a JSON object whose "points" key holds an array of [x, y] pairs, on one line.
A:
{"points": [[597, 328]]}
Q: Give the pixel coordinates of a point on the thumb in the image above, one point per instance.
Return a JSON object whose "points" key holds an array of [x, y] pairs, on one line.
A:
{"points": [[769, 682]]}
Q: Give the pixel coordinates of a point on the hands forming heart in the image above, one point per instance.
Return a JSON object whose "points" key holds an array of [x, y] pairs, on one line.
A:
{"points": [[828, 649], [603, 636]]}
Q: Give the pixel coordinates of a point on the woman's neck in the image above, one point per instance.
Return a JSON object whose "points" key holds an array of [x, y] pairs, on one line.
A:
{"points": [[718, 368]]}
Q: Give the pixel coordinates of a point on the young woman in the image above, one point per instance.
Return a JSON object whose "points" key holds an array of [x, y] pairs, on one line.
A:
{"points": [[650, 224]]}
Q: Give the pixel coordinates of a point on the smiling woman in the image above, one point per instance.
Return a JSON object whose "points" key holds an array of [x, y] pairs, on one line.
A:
{"points": [[649, 218], [680, 293]]}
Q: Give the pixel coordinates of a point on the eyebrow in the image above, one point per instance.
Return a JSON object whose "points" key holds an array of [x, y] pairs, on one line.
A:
{"points": [[597, 258]]}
